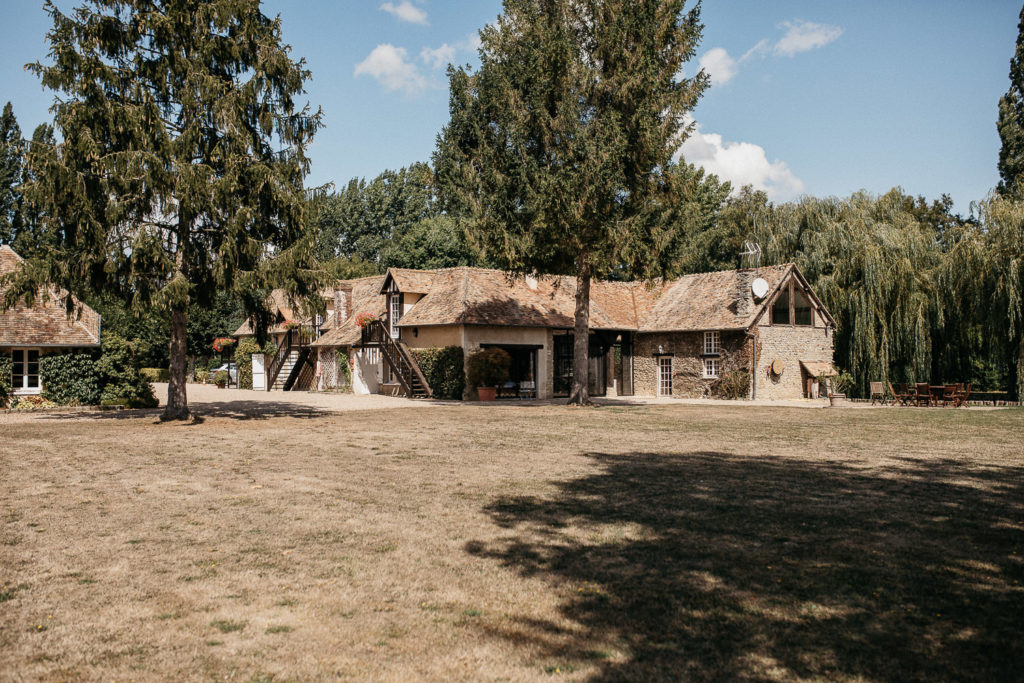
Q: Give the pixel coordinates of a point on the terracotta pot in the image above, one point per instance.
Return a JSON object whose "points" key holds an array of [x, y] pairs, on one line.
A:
{"points": [[222, 386], [486, 393], [837, 400]]}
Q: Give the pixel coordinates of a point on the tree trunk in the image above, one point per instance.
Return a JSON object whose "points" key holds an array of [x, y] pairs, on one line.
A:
{"points": [[177, 402], [580, 395]]}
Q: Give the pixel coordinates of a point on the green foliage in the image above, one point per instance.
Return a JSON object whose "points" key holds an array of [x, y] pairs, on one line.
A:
{"points": [[434, 242], [221, 377], [445, 371], [243, 358], [573, 173], [70, 379], [734, 385], [5, 377], [180, 160], [488, 367], [840, 383], [344, 372], [12, 161], [154, 374], [119, 372], [1011, 124]]}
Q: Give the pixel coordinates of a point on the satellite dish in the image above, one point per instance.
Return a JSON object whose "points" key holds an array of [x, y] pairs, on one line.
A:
{"points": [[759, 287]]}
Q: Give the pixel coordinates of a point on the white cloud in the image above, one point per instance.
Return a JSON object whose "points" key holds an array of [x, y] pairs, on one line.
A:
{"points": [[719, 65], [741, 163], [438, 57], [802, 36], [390, 66], [406, 11]]}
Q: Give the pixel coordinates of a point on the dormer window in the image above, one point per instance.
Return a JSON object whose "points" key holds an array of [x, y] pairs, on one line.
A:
{"points": [[712, 343]]}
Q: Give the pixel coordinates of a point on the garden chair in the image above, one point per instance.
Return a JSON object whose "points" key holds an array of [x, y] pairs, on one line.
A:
{"points": [[878, 393], [923, 392], [949, 394], [960, 399], [899, 394]]}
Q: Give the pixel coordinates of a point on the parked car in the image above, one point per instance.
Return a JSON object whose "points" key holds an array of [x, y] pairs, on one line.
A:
{"points": [[230, 368]]}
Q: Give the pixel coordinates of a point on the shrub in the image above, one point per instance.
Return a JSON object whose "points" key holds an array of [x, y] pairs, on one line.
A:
{"points": [[444, 370], [119, 373], [31, 403], [489, 367], [243, 359], [344, 372], [156, 374], [221, 377], [839, 384], [70, 379], [733, 385], [5, 378]]}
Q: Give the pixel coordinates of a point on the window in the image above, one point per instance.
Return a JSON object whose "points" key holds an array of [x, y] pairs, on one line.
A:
{"points": [[711, 367], [712, 343], [25, 371], [665, 376], [801, 308], [780, 309], [396, 314]]}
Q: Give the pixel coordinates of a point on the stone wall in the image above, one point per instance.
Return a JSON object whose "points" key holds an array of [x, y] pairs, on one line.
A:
{"points": [[789, 344], [685, 349]]}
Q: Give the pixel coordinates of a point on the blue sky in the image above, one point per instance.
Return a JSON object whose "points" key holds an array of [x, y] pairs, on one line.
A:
{"points": [[822, 98]]}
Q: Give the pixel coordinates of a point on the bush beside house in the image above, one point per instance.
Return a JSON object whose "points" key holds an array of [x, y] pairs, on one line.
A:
{"points": [[70, 379], [5, 378], [444, 369]]}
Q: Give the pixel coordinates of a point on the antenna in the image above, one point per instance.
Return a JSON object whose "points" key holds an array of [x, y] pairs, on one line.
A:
{"points": [[751, 254]]}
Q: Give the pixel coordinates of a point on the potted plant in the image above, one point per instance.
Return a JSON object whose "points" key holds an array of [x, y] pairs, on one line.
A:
{"points": [[220, 378], [487, 369], [838, 385], [363, 319]]}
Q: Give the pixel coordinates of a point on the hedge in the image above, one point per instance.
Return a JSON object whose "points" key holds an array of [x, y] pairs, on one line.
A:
{"points": [[70, 379], [120, 376], [444, 369], [156, 374], [5, 378], [243, 358]]}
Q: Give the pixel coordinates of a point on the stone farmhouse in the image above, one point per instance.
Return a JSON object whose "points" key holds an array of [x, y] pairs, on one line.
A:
{"points": [[28, 332], [678, 338]]}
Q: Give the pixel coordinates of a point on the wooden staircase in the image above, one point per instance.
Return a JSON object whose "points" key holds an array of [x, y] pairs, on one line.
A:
{"points": [[400, 360], [292, 366]]}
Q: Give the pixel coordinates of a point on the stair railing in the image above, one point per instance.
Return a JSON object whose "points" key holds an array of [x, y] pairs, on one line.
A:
{"points": [[279, 358], [398, 357]]}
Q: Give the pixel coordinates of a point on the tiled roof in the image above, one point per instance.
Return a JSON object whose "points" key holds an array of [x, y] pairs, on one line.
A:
{"points": [[477, 296], [45, 323], [409, 280], [366, 298], [707, 301], [279, 305]]}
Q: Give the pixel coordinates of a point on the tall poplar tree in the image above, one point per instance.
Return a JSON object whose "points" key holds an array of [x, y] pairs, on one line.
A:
{"points": [[1011, 124], [180, 162], [560, 145]]}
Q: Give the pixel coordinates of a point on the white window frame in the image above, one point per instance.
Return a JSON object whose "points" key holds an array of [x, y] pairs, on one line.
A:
{"points": [[22, 389], [664, 378], [712, 368], [712, 342], [395, 313]]}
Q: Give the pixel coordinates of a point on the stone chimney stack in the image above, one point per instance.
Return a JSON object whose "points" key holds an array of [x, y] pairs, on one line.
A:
{"points": [[744, 297], [342, 302]]}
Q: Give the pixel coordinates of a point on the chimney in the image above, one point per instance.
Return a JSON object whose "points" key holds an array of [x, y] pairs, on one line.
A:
{"points": [[744, 297], [342, 302]]}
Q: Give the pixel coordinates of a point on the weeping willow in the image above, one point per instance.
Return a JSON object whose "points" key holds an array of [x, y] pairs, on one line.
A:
{"points": [[874, 266], [984, 273]]}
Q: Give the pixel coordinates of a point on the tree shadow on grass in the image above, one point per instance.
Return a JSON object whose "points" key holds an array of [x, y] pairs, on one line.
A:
{"points": [[714, 566], [234, 410]]}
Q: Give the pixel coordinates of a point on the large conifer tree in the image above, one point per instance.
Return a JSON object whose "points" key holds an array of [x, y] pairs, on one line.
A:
{"points": [[561, 144], [12, 157], [180, 162], [1011, 124]]}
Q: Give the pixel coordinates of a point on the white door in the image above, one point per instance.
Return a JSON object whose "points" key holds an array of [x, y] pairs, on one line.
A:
{"points": [[259, 372]]}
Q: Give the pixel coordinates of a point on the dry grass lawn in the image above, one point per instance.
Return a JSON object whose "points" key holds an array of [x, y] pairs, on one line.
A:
{"points": [[515, 543]]}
